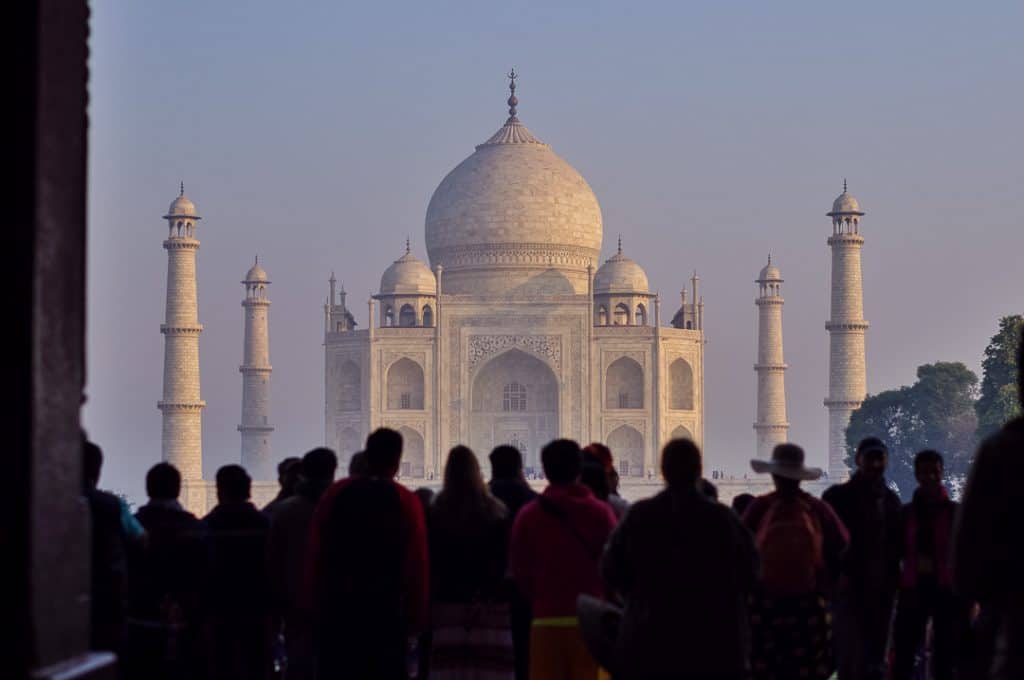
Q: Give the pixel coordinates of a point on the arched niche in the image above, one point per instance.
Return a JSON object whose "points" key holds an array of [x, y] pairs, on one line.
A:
{"points": [[350, 386], [624, 384], [413, 454], [680, 380], [627, 445], [407, 316], [405, 385]]}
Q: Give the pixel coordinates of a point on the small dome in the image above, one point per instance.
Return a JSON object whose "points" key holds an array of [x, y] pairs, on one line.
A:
{"points": [[182, 207], [770, 272], [845, 204], [408, 275], [256, 273], [620, 274]]}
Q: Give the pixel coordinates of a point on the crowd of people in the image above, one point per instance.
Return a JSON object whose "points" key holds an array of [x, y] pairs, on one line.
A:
{"points": [[364, 578]]}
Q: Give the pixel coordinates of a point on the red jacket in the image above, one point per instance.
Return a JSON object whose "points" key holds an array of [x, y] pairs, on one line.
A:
{"points": [[331, 547], [556, 546]]}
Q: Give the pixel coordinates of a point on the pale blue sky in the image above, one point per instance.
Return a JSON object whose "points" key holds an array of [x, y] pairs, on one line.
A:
{"points": [[315, 133]]}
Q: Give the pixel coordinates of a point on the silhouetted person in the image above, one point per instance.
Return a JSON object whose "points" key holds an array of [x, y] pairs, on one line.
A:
{"points": [[741, 502], [557, 541], [369, 578], [708, 489], [926, 584], [603, 454], [508, 484], [685, 566], [864, 599], [287, 545], [468, 557], [108, 570], [166, 579], [357, 465], [237, 595], [288, 471], [594, 477], [989, 553], [800, 541]]}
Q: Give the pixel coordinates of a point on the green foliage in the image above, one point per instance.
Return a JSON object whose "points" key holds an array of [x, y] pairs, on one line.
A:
{"points": [[999, 401], [936, 412]]}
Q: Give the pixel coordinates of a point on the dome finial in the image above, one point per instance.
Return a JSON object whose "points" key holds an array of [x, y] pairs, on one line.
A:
{"points": [[844, 185], [182, 188], [512, 101], [620, 244], [408, 249], [257, 259]]}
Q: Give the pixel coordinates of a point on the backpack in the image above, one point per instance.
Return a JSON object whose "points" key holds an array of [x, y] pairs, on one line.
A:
{"points": [[790, 541]]}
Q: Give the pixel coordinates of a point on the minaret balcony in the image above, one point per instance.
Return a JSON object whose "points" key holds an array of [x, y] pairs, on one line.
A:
{"points": [[181, 329], [846, 325], [181, 243], [194, 406]]}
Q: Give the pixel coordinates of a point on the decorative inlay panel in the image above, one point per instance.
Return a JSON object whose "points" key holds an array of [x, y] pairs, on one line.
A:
{"points": [[483, 347]]}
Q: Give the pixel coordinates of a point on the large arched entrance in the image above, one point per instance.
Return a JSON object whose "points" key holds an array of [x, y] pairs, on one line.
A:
{"points": [[514, 400]]}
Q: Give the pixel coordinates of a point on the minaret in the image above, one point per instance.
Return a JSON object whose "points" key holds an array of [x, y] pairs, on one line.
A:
{"points": [[182, 408], [847, 380], [255, 369], [771, 426]]}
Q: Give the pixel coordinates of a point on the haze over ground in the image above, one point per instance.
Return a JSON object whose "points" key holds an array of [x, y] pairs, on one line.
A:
{"points": [[315, 134]]}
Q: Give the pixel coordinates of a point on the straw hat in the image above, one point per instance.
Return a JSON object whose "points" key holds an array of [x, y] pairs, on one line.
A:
{"points": [[787, 461]]}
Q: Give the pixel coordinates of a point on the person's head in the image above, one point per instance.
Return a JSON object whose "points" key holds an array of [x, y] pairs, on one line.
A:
{"points": [[594, 476], [319, 465], [383, 452], [681, 464], [462, 472], [163, 482], [872, 458], [425, 497], [506, 462], [928, 469], [233, 484], [288, 473], [92, 462], [357, 465], [601, 452], [741, 502], [562, 461]]}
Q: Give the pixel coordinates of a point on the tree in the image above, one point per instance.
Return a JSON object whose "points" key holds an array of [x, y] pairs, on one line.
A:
{"points": [[936, 412], [999, 401]]}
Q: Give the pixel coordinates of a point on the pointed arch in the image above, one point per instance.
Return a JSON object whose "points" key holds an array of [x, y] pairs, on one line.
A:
{"points": [[413, 460], [681, 433], [428, 316], [602, 316], [621, 315], [350, 386], [405, 385], [407, 316], [627, 445], [641, 315], [680, 379], [624, 384]]}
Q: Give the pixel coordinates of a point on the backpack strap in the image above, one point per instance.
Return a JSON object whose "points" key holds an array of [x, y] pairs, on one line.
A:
{"points": [[552, 509]]}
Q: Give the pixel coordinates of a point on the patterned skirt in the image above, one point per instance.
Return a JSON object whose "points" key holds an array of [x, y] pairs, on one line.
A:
{"points": [[471, 641], [792, 638]]}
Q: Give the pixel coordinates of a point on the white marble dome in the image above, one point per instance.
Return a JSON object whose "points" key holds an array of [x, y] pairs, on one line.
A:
{"points": [[408, 275], [510, 212], [845, 204], [620, 274], [182, 207], [770, 272], [256, 273]]}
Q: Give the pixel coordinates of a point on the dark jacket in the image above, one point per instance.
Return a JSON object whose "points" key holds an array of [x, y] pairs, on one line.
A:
{"points": [[237, 544], [872, 513], [685, 566], [927, 541], [467, 559], [988, 550], [514, 493], [287, 545], [108, 569], [169, 569]]}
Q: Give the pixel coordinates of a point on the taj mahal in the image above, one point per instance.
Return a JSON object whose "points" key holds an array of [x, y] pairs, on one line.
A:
{"points": [[510, 331]]}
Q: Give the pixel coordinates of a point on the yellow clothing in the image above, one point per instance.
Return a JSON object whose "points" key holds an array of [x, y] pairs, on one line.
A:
{"points": [[557, 652]]}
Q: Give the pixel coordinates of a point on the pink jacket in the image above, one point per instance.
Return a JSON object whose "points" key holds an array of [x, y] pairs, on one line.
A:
{"points": [[556, 546]]}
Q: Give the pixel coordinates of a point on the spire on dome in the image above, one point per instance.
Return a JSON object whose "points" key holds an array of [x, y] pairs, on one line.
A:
{"points": [[844, 185], [620, 244], [408, 249], [512, 101], [182, 188]]}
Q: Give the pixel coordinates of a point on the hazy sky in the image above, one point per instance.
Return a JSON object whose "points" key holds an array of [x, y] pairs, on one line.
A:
{"points": [[712, 133]]}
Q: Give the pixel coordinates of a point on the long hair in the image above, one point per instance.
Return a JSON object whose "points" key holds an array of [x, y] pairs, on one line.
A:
{"points": [[465, 503]]}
